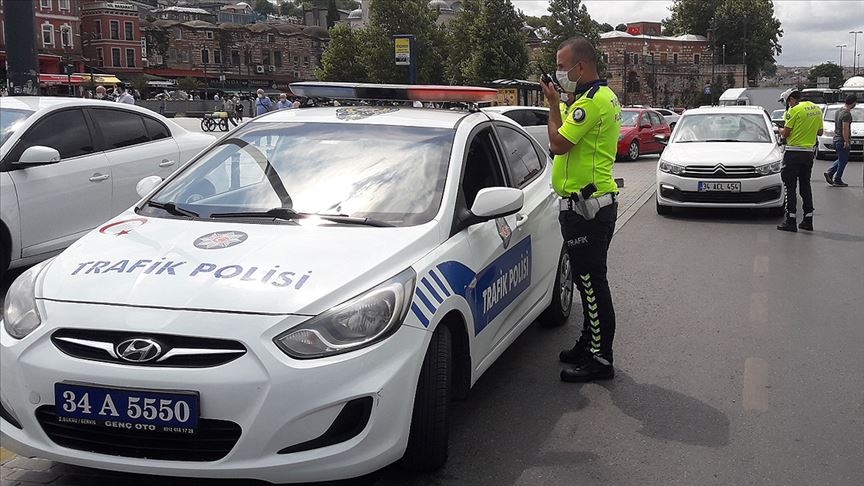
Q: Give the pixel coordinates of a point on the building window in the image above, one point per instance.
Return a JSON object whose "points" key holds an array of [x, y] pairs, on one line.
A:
{"points": [[235, 58], [696, 59], [47, 35], [296, 61], [115, 29], [66, 36], [271, 38], [115, 57], [100, 57], [209, 34], [664, 58], [306, 61], [97, 29], [247, 58], [674, 58], [45, 3], [277, 58], [178, 34], [265, 57], [205, 56], [128, 27], [217, 57], [130, 58], [64, 4], [184, 56], [296, 74]]}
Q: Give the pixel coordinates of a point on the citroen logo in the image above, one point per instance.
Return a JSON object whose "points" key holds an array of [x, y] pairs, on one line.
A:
{"points": [[139, 350]]}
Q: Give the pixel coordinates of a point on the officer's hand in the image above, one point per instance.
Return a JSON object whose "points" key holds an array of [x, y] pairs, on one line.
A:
{"points": [[551, 94]]}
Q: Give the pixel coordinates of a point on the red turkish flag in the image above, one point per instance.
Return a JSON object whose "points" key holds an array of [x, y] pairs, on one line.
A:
{"points": [[633, 30]]}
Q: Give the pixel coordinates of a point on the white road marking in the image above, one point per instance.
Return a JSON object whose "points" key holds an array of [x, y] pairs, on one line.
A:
{"points": [[760, 265], [754, 392]]}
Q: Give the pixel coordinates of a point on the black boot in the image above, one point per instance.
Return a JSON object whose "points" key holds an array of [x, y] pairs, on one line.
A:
{"points": [[595, 368], [829, 177], [838, 182], [577, 354], [788, 224], [807, 223]]}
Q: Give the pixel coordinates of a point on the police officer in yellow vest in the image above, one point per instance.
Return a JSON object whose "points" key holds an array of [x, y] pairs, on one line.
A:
{"points": [[583, 135], [803, 125]]}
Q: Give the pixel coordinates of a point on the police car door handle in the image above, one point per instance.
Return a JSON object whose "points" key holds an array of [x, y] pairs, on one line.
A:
{"points": [[97, 177], [521, 219], [166, 163]]}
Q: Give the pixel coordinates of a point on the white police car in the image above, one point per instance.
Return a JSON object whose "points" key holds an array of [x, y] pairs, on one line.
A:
{"points": [[300, 302]]}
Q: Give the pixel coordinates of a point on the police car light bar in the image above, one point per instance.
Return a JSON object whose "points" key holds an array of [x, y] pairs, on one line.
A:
{"points": [[400, 92]]}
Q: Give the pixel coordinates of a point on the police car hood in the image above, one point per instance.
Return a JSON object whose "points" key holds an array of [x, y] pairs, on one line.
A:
{"points": [[726, 153], [254, 268]]}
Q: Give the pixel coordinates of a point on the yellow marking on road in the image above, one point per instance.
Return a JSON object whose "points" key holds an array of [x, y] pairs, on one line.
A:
{"points": [[6, 454], [755, 391]]}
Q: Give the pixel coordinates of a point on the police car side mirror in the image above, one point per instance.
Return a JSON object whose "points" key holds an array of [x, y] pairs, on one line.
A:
{"points": [[147, 184], [39, 155], [495, 202]]}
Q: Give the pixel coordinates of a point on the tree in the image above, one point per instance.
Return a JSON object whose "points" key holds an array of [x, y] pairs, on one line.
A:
{"points": [[621, 27], [291, 9], [340, 61], [568, 18], [189, 84], [827, 70], [264, 7], [606, 27], [748, 28], [487, 43], [392, 17]]}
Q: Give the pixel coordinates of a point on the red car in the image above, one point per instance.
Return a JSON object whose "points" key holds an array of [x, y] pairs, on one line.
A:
{"points": [[638, 128]]}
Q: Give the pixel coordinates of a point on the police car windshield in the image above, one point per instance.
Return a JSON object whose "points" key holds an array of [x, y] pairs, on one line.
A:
{"points": [[722, 127], [389, 174], [857, 114], [10, 120], [628, 118]]}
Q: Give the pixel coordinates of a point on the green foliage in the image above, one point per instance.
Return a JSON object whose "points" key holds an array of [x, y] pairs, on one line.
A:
{"points": [[291, 9], [140, 84], [568, 18], [189, 84], [340, 61], [621, 27], [829, 70], [744, 26], [486, 43], [264, 7], [606, 27]]}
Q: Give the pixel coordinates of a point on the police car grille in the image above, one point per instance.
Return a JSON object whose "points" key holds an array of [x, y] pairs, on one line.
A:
{"points": [[213, 440], [720, 172], [177, 351]]}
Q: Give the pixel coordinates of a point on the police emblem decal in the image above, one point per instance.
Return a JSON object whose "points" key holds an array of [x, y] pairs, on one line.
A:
{"points": [[220, 239], [504, 231], [578, 115]]}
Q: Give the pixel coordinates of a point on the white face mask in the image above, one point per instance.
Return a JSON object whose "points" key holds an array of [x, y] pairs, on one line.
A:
{"points": [[564, 80]]}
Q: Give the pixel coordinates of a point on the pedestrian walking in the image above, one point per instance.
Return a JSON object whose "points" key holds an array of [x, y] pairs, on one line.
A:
{"points": [[162, 104], [102, 94], [123, 95], [583, 136], [228, 107], [238, 108], [262, 103], [803, 125], [842, 142], [283, 103]]}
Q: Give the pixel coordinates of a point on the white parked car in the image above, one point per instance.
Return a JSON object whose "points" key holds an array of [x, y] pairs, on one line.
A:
{"points": [[68, 164], [670, 116], [724, 157], [825, 147], [299, 303], [534, 119]]}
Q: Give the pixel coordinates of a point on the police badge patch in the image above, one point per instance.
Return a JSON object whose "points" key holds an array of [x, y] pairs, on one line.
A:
{"points": [[578, 115], [361, 112]]}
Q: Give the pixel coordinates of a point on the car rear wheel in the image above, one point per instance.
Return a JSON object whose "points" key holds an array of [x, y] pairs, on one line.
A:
{"points": [[633, 150], [562, 294], [428, 438]]}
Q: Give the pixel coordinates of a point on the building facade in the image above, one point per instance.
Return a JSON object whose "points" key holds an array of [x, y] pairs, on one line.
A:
{"points": [[57, 24], [111, 34], [184, 14], [233, 57], [647, 68]]}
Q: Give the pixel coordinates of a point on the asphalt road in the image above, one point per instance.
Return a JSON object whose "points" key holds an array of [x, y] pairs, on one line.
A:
{"points": [[738, 356]]}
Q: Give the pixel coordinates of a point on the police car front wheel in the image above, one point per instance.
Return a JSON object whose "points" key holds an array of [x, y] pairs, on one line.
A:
{"points": [[428, 438]]}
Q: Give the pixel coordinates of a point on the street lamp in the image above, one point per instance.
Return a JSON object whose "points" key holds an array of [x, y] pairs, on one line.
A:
{"points": [[841, 46], [855, 51]]}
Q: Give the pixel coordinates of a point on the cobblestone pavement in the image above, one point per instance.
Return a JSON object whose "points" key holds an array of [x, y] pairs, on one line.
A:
{"points": [[19, 471]]}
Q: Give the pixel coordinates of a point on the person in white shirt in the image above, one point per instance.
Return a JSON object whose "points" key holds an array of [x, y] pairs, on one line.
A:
{"points": [[123, 95]]}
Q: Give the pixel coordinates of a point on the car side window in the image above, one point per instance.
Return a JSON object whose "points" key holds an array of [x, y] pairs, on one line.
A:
{"points": [[656, 120], [482, 169], [155, 129], [541, 117], [120, 128], [519, 116], [66, 131], [645, 119], [520, 155]]}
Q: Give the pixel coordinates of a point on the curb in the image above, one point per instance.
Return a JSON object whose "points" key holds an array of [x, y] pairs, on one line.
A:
{"points": [[634, 208]]}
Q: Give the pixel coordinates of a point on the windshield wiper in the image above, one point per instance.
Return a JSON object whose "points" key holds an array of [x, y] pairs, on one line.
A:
{"points": [[172, 208], [287, 214], [344, 218]]}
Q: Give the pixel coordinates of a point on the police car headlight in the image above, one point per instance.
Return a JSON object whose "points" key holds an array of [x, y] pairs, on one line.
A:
{"points": [[670, 168], [20, 315], [772, 168], [362, 321]]}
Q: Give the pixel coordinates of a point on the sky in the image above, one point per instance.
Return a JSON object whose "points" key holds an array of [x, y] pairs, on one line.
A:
{"points": [[811, 28]]}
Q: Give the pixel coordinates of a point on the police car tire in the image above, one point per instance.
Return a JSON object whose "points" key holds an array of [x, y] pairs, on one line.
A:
{"points": [[428, 437], [556, 315]]}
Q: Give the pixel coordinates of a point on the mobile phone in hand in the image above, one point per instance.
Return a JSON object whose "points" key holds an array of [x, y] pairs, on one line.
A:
{"points": [[545, 78]]}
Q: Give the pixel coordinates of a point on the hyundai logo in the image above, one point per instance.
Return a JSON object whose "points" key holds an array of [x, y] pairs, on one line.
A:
{"points": [[138, 350]]}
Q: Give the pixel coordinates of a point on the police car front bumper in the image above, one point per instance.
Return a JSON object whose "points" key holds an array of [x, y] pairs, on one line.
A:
{"points": [[278, 402], [757, 192]]}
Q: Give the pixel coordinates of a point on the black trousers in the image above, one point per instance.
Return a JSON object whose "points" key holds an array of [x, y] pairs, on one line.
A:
{"points": [[587, 245], [797, 167]]}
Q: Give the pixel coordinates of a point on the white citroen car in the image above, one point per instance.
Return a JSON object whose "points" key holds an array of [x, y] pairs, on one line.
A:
{"points": [[726, 157], [68, 164], [825, 146], [298, 303]]}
